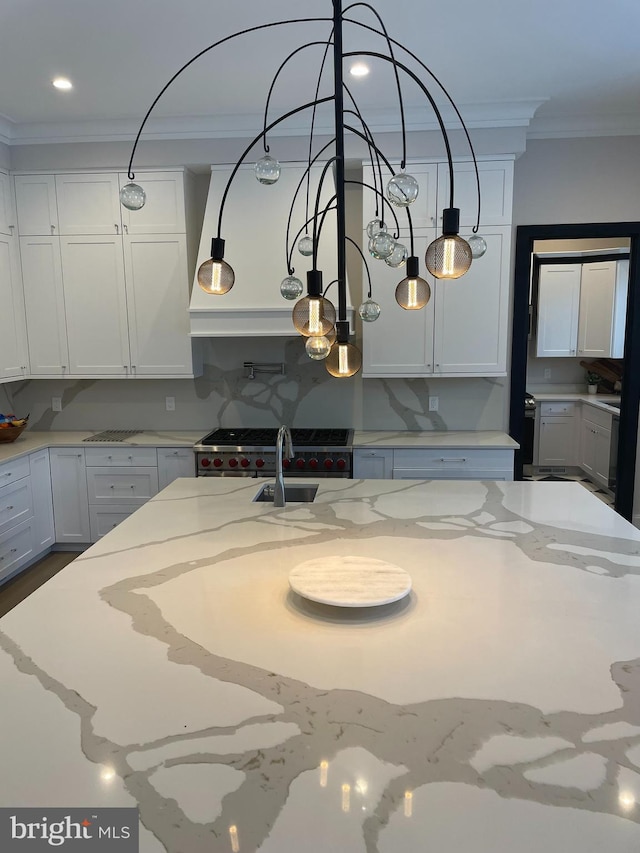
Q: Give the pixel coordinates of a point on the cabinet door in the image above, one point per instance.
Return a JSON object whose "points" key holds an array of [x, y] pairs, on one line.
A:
{"points": [[174, 463], [7, 220], [399, 342], [424, 209], [44, 306], [597, 291], [36, 205], [158, 305], [121, 485], [96, 306], [69, 488], [163, 211], [13, 337], [43, 527], [471, 314], [88, 204], [372, 464], [556, 441], [558, 309], [496, 188], [16, 548]]}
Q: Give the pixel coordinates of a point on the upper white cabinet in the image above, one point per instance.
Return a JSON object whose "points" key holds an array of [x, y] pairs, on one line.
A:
{"points": [[424, 210], [7, 219], [110, 296], [13, 339], [37, 210], [496, 190], [582, 309]]}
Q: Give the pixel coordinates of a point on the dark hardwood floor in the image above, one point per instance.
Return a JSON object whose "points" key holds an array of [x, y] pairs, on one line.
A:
{"points": [[18, 588]]}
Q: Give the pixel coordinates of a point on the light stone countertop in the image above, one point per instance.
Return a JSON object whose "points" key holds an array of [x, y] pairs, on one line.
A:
{"points": [[600, 401], [426, 439], [495, 708], [30, 441]]}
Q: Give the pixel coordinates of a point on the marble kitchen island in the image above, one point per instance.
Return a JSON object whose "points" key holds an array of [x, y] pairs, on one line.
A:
{"points": [[495, 708]]}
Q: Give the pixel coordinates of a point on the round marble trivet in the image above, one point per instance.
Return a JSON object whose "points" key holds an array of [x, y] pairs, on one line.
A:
{"points": [[350, 581]]}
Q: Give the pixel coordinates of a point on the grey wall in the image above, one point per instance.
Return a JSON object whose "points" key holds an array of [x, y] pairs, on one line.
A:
{"points": [[5, 156]]}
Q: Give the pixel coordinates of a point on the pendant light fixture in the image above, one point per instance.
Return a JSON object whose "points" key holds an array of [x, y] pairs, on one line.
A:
{"points": [[326, 328]]}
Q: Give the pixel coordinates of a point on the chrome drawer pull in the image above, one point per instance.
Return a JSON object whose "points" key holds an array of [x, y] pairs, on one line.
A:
{"points": [[9, 507], [461, 459]]}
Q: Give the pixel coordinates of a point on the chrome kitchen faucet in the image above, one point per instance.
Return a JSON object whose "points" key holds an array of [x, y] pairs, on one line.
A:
{"points": [[283, 445]]}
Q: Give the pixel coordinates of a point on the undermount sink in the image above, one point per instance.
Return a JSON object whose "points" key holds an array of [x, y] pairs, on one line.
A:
{"points": [[292, 494]]}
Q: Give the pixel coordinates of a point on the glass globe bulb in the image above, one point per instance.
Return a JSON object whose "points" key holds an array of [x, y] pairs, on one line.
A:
{"points": [[369, 311], [375, 227], [381, 245], [313, 316], [343, 360], [448, 257], [398, 256], [402, 189], [132, 196], [291, 287], [478, 246], [305, 246], [413, 293], [216, 277], [267, 170], [318, 348]]}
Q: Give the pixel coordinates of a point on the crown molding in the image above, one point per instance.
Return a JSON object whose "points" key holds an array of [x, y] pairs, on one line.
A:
{"points": [[6, 129], [567, 127]]}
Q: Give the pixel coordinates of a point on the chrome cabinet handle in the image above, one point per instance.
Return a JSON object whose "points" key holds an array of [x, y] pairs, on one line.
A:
{"points": [[126, 229], [116, 227], [9, 507], [13, 551], [452, 459], [53, 228]]}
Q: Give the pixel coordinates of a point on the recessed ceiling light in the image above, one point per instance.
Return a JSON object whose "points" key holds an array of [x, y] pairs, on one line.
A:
{"points": [[359, 69], [62, 83]]}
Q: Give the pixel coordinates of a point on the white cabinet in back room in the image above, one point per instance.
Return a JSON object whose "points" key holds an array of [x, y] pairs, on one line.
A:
{"points": [[557, 434]]}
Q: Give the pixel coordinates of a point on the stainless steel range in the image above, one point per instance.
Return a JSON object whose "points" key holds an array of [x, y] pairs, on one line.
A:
{"points": [[250, 452]]}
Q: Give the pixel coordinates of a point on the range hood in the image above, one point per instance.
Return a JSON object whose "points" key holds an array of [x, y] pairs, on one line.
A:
{"points": [[254, 228]]}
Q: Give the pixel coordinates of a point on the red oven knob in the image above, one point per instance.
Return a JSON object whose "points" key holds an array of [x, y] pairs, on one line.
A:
{"points": [[217, 462], [286, 463], [233, 463], [313, 463], [205, 462], [328, 463], [299, 463], [259, 463], [341, 463], [245, 463]]}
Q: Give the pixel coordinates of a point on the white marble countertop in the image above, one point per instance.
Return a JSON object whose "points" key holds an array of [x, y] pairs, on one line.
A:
{"points": [[452, 439], [600, 401], [31, 440], [495, 708]]}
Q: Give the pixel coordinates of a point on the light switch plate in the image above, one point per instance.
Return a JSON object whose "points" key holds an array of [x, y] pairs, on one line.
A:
{"points": [[170, 404], [433, 404], [56, 404]]}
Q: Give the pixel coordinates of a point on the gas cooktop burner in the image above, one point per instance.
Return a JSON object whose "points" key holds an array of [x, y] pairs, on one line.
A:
{"points": [[266, 437]]}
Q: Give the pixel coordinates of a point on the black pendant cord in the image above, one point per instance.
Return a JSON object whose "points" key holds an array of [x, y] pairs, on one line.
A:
{"points": [[371, 144], [313, 120], [306, 173], [326, 290], [275, 80], [366, 265], [434, 106], [130, 174], [390, 168], [448, 97], [257, 139], [403, 164], [338, 107], [304, 227], [323, 174]]}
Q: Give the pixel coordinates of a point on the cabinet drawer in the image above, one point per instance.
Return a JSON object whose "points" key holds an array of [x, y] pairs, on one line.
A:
{"points": [[121, 485], [471, 473], [106, 457], [597, 416], [16, 504], [557, 408], [16, 548], [103, 519], [454, 458], [14, 470]]}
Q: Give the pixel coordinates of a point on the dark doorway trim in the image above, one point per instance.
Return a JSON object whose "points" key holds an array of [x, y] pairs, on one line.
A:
{"points": [[627, 437]]}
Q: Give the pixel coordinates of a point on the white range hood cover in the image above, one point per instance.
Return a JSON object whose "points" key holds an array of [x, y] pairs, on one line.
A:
{"points": [[254, 230]]}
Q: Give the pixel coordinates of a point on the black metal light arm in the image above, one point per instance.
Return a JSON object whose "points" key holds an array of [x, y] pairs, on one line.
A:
{"points": [[313, 118], [325, 169], [303, 228], [396, 236], [372, 149], [366, 265]]}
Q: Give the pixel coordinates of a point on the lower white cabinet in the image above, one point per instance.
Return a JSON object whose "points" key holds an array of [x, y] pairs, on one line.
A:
{"points": [[130, 486], [557, 435], [595, 444], [102, 519], [16, 548], [43, 527], [69, 488], [174, 462], [474, 463]]}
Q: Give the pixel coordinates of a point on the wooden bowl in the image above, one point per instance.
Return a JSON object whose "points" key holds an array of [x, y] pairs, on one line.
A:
{"points": [[11, 433]]}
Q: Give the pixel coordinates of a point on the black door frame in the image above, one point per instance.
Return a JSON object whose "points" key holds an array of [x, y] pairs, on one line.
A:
{"points": [[627, 437]]}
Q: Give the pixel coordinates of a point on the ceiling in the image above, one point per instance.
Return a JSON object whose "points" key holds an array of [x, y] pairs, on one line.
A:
{"points": [[574, 63]]}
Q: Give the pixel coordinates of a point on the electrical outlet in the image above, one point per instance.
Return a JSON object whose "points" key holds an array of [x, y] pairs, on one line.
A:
{"points": [[56, 404], [433, 404], [170, 404], [547, 373]]}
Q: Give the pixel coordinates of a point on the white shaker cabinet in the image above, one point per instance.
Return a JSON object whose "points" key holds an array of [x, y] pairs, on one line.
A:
{"points": [[174, 462], [88, 203], [558, 307], [496, 190], [70, 501], [7, 218], [595, 321], [163, 211], [557, 434], [372, 464], [44, 306], [595, 444], [43, 526], [37, 210], [13, 336]]}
